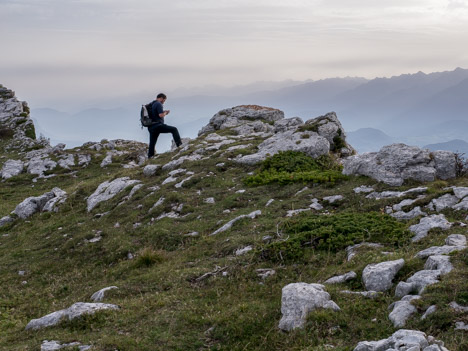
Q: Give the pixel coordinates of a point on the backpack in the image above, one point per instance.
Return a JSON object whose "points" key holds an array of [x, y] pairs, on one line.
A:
{"points": [[146, 115]]}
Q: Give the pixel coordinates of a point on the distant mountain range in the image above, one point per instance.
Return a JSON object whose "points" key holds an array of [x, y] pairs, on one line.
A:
{"points": [[418, 109], [457, 145]]}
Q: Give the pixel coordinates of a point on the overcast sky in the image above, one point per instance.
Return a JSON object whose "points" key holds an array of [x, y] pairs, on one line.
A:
{"points": [[94, 48]]}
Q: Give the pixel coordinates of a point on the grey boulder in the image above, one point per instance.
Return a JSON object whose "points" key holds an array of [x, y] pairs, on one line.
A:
{"points": [[395, 163], [379, 276], [298, 300], [150, 170], [5, 220], [402, 310], [341, 278], [456, 240], [74, 311]]}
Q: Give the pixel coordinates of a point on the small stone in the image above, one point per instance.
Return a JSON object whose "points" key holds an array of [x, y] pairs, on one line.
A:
{"points": [[241, 191], [363, 189], [117, 225], [244, 250], [429, 311], [95, 239], [402, 310], [269, 202], [333, 199], [130, 256], [461, 326], [209, 200], [341, 278], [264, 273], [99, 295], [192, 234], [267, 238], [22, 273], [458, 307]]}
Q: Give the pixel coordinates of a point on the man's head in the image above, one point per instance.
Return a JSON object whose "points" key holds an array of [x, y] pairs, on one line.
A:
{"points": [[161, 97]]}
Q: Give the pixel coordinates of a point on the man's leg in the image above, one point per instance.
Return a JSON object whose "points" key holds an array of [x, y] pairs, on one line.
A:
{"points": [[170, 129], [154, 133]]}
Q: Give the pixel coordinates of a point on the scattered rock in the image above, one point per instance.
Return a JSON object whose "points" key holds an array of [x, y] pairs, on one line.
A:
{"points": [[176, 163], [402, 310], [67, 161], [228, 225], [209, 200], [439, 250], [5, 220], [55, 345], [38, 166], [315, 205], [461, 326], [456, 240], [458, 307], [45, 202], [379, 276], [107, 160], [341, 278], [395, 163], [84, 160], [460, 192], [417, 282], [352, 251], [440, 263], [333, 199], [429, 311], [392, 194], [415, 212], [150, 170], [244, 250], [99, 295], [269, 202], [108, 190], [363, 189], [443, 202], [74, 311], [264, 273], [426, 224], [11, 168], [368, 294], [298, 300], [403, 340], [291, 213]]}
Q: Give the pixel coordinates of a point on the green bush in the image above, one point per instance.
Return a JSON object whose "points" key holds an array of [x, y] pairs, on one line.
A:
{"points": [[30, 132], [335, 232], [293, 166]]}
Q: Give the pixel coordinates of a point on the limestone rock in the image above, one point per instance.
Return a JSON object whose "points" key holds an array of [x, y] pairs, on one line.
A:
{"points": [[228, 225], [461, 326], [458, 308], [456, 240], [107, 160], [313, 145], [440, 263], [402, 310], [363, 189], [56, 345], [417, 282], [333, 199], [244, 250], [12, 168], [415, 212], [5, 220], [427, 223], [150, 170], [283, 125], [429, 311], [443, 202], [298, 300], [74, 311], [368, 294], [460, 192], [392, 194], [44, 202], [99, 295], [84, 160], [395, 163], [403, 340], [67, 161], [379, 276], [233, 117], [341, 278], [439, 250], [108, 190], [462, 205], [39, 166]]}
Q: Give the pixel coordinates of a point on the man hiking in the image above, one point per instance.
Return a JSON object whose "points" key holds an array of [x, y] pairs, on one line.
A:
{"points": [[159, 127]]}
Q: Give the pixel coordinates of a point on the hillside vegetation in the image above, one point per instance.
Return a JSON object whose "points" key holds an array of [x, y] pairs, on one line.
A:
{"points": [[184, 285]]}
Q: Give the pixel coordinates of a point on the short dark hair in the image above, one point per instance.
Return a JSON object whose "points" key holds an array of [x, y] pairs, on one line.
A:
{"points": [[161, 95]]}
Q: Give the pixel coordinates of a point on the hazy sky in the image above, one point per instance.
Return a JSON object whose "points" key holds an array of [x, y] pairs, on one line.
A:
{"points": [[91, 48]]}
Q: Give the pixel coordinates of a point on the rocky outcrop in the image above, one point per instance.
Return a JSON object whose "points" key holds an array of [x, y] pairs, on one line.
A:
{"points": [[402, 310], [421, 229], [11, 168], [16, 125], [395, 163], [74, 311], [248, 115], [298, 300]]}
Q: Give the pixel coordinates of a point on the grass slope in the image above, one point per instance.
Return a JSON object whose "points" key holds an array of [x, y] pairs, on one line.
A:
{"points": [[163, 304]]}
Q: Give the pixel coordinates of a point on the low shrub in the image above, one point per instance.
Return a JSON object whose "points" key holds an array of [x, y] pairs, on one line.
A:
{"points": [[334, 233], [292, 166]]}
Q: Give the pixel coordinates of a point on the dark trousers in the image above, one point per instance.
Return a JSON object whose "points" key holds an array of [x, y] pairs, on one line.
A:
{"points": [[157, 129]]}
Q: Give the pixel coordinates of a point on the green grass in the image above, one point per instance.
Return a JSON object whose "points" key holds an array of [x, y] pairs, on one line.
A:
{"points": [[163, 304]]}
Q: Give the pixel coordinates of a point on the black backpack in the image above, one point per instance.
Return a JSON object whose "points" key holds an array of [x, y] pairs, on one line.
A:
{"points": [[146, 115]]}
